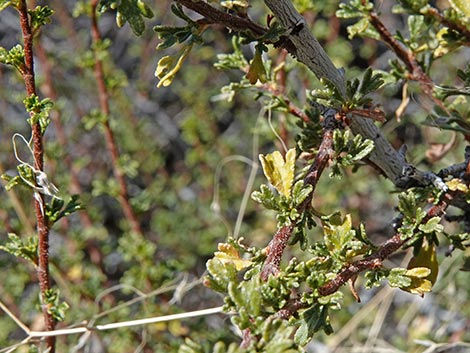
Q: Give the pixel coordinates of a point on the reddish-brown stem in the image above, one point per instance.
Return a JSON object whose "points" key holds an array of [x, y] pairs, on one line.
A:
{"points": [[277, 245], [274, 251], [325, 153], [292, 306], [407, 57], [403, 54], [375, 260], [457, 27], [38, 152], [103, 97], [213, 15]]}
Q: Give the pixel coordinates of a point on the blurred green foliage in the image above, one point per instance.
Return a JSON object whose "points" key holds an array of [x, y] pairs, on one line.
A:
{"points": [[172, 142]]}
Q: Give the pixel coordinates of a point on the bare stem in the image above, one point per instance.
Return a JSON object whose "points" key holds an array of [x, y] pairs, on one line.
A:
{"points": [[407, 57], [103, 96], [38, 152]]}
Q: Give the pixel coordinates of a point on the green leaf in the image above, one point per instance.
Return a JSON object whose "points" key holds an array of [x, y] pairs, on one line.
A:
{"points": [[313, 320], [359, 28], [55, 307], [397, 278], [407, 204], [340, 237], [40, 16], [257, 71], [171, 35], [234, 60], [11, 181], [347, 151], [266, 197], [38, 110], [56, 210], [432, 226], [26, 249], [221, 274], [355, 8], [131, 11], [13, 57], [360, 148], [26, 177], [278, 171], [371, 81], [300, 192], [5, 3]]}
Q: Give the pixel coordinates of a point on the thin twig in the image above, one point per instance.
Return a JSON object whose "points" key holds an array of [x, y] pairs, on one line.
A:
{"points": [[407, 57], [213, 15], [38, 152], [131, 323], [14, 318], [108, 133], [457, 27]]}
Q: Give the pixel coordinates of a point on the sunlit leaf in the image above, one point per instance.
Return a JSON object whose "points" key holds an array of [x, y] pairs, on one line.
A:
{"points": [[278, 171], [457, 185], [230, 4], [461, 6], [431, 226], [168, 66], [227, 253]]}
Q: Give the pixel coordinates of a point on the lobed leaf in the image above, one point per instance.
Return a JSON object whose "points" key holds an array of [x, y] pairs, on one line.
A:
{"points": [[278, 171]]}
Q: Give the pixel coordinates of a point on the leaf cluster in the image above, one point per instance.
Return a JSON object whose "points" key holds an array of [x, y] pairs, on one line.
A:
{"points": [[38, 111], [357, 92], [55, 306], [58, 209], [178, 35], [40, 16], [24, 248], [130, 11], [348, 151], [13, 57]]}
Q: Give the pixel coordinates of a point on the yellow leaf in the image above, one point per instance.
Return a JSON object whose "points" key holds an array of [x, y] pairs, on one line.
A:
{"points": [[419, 286], [279, 173], [457, 185], [177, 329], [230, 4], [461, 6], [418, 272], [228, 254], [168, 66]]}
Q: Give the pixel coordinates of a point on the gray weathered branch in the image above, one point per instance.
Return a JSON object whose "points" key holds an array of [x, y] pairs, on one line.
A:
{"points": [[300, 43], [308, 51]]}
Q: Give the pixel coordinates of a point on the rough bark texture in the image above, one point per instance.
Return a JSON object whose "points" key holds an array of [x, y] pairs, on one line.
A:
{"points": [[304, 46]]}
